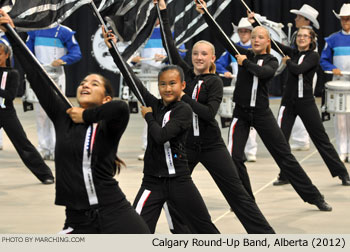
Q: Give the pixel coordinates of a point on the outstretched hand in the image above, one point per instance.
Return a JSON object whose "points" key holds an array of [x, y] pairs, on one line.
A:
{"points": [[76, 114], [5, 19], [107, 36]]}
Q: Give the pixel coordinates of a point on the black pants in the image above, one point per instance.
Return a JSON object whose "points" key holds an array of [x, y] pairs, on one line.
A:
{"points": [[182, 193], [25, 149], [219, 164], [309, 114], [266, 126], [117, 218]]}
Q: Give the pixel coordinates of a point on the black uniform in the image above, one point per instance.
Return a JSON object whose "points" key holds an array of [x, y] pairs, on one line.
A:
{"points": [[9, 121], [166, 173], [298, 100], [85, 160], [204, 94], [252, 110]]}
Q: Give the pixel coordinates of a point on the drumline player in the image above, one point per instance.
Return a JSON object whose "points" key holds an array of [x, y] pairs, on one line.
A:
{"points": [[257, 67], [54, 48], [244, 30], [335, 58]]}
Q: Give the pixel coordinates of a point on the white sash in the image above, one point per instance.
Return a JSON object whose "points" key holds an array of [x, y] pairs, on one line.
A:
{"points": [[3, 86], [255, 86], [87, 172], [280, 115], [230, 135], [167, 147], [195, 95], [301, 79]]}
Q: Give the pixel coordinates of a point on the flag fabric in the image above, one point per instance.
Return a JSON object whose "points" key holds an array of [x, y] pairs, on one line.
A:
{"points": [[127, 22], [39, 14], [115, 7], [183, 17], [187, 22], [6, 5]]}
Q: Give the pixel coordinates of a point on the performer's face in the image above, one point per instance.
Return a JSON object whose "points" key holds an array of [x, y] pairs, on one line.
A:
{"points": [[202, 57], [3, 57], [345, 23], [260, 40], [301, 21], [170, 86], [91, 92], [303, 39], [244, 35]]}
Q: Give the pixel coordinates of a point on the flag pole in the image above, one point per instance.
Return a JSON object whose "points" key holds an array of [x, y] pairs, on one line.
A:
{"points": [[273, 41], [18, 39], [219, 28], [162, 28], [98, 15]]}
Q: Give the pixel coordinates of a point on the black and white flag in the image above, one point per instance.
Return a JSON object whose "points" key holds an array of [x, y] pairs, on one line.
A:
{"points": [[187, 22], [40, 14], [183, 17]]}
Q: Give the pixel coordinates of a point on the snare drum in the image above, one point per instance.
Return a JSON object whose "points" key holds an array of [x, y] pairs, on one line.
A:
{"points": [[338, 97], [101, 53]]}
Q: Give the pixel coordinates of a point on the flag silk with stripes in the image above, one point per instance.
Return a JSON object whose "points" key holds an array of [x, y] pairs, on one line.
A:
{"points": [[39, 14], [183, 17], [186, 21]]}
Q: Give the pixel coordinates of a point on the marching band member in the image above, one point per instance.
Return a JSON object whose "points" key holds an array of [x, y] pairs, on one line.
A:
{"points": [[257, 68], [87, 142], [335, 58]]}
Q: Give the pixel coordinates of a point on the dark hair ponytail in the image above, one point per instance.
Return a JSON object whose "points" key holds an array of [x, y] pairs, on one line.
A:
{"points": [[118, 165]]}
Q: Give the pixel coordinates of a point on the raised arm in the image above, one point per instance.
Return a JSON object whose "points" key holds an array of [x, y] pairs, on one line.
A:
{"points": [[128, 73], [167, 37], [219, 34]]}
